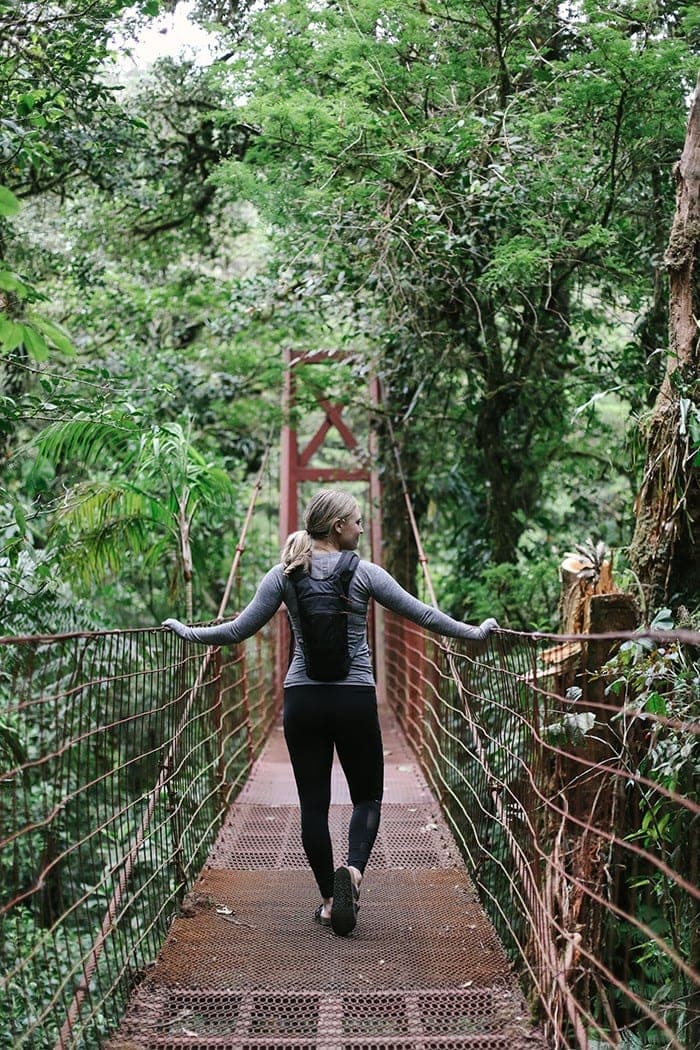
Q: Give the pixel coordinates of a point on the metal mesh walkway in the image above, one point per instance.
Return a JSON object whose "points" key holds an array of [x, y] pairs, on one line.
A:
{"points": [[245, 966]]}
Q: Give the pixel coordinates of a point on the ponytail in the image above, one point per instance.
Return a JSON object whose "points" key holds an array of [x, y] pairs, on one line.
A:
{"points": [[297, 552]]}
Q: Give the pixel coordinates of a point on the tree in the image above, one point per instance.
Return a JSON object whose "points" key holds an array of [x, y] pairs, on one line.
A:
{"points": [[61, 124], [488, 179], [123, 237], [62, 119], [666, 542]]}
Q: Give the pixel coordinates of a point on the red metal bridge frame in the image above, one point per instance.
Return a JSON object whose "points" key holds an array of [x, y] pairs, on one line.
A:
{"points": [[296, 464]]}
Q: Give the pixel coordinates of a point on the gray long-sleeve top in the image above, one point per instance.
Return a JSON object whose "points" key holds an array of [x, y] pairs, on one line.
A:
{"points": [[369, 581]]}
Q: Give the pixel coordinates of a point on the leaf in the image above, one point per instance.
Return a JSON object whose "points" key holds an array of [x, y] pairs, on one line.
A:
{"points": [[55, 335], [663, 621], [580, 409], [572, 726], [655, 704], [35, 343], [20, 519], [11, 334], [86, 440], [580, 723], [11, 283], [9, 205]]}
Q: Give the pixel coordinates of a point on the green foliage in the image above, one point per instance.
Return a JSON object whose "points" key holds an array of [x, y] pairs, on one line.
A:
{"points": [[124, 243], [59, 111], [472, 201], [468, 216], [9, 205], [155, 483], [34, 333], [33, 598], [521, 595], [488, 198], [659, 685], [663, 683]]}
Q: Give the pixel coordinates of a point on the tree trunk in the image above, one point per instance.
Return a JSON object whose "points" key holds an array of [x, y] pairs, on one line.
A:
{"points": [[184, 521], [665, 551], [520, 416], [501, 474]]}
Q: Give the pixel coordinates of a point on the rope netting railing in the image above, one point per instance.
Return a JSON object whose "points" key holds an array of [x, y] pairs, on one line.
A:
{"points": [[121, 752], [576, 808], [568, 768]]}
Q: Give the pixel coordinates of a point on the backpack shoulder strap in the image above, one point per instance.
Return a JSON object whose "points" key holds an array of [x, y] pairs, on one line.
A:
{"points": [[345, 569]]}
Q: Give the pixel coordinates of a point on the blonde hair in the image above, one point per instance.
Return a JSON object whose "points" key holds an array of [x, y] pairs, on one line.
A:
{"points": [[322, 511], [296, 552]]}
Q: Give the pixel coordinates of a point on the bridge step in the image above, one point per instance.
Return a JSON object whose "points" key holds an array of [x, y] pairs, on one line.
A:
{"points": [[424, 1019]]}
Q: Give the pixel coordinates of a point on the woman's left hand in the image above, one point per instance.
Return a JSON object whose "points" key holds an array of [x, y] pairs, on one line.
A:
{"points": [[178, 628]]}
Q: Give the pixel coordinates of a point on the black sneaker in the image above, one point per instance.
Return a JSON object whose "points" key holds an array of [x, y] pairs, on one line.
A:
{"points": [[344, 910]]}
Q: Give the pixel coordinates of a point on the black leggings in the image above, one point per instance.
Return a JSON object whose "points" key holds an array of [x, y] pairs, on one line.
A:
{"points": [[317, 717]]}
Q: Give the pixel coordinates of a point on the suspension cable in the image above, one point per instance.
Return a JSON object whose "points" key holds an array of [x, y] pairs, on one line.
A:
{"points": [[240, 547], [411, 516]]}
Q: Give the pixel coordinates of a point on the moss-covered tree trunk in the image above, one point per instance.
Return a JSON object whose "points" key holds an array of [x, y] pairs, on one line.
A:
{"points": [[665, 549]]}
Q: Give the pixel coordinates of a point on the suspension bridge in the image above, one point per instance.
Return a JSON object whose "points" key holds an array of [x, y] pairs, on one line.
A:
{"points": [[155, 892]]}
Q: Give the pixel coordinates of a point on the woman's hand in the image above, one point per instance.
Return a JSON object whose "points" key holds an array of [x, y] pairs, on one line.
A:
{"points": [[178, 628]]}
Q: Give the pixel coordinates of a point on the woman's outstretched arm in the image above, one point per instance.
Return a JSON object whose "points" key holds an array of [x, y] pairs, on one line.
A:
{"points": [[391, 595], [262, 608]]}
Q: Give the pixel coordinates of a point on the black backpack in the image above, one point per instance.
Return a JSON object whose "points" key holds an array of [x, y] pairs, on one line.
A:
{"points": [[323, 612]]}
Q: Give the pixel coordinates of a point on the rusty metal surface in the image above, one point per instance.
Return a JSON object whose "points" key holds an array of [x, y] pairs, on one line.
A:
{"points": [[245, 965], [256, 837], [487, 1018], [410, 923]]}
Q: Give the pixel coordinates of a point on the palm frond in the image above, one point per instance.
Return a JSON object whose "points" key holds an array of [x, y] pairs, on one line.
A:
{"points": [[159, 553], [92, 505], [167, 454], [100, 553], [88, 441]]}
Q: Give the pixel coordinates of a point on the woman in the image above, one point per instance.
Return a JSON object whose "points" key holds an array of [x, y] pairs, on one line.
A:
{"points": [[319, 716]]}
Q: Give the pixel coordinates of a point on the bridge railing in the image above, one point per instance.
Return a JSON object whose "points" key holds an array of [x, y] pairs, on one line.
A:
{"points": [[120, 752], [576, 807]]}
